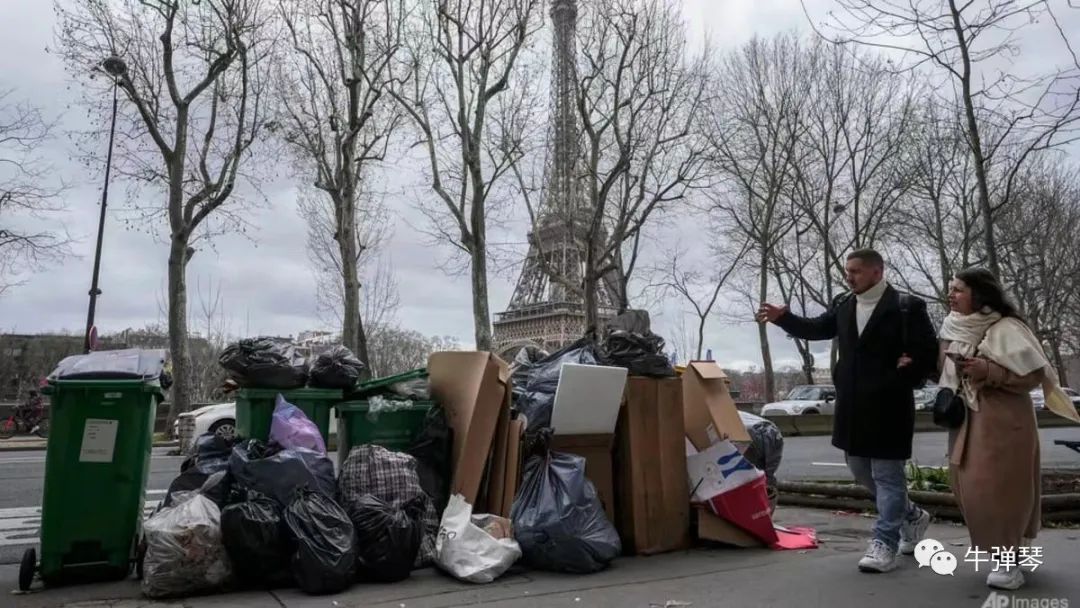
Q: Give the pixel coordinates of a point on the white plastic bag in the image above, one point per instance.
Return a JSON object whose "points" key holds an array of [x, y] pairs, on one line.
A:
{"points": [[467, 551], [184, 551]]}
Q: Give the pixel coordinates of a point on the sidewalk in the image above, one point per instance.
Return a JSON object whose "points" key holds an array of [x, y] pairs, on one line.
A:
{"points": [[825, 577]]}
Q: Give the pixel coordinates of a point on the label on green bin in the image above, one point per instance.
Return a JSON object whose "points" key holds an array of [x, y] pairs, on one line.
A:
{"points": [[98, 440]]}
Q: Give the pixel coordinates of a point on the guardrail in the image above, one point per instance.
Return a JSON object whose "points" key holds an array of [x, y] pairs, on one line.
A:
{"points": [[821, 424]]}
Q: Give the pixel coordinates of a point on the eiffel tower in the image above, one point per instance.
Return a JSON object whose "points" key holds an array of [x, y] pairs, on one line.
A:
{"points": [[545, 312]]}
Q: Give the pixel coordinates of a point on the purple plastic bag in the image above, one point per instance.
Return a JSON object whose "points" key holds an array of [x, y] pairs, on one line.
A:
{"points": [[292, 429]]}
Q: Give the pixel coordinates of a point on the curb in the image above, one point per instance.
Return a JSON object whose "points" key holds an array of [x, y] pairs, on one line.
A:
{"points": [[40, 446]]}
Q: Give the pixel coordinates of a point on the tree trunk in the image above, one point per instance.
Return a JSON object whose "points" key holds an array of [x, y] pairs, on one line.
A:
{"points": [[763, 329], [1059, 361], [700, 336], [481, 311], [178, 331], [589, 281]]}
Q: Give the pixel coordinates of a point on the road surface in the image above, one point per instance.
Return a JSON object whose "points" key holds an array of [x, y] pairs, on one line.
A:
{"points": [[804, 458]]}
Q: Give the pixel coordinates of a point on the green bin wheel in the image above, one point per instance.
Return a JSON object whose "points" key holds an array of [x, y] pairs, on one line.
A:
{"points": [[27, 568]]}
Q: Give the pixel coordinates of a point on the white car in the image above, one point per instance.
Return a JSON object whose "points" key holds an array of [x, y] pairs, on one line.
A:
{"points": [[219, 419], [804, 400]]}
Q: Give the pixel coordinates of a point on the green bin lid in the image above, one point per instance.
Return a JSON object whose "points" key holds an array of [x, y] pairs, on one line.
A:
{"points": [[271, 393], [381, 384], [364, 405]]}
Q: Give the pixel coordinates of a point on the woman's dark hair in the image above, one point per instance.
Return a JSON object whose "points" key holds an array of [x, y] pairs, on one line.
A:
{"points": [[986, 291]]}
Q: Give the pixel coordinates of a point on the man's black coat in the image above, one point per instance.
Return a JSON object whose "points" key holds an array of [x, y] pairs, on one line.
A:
{"points": [[875, 406]]}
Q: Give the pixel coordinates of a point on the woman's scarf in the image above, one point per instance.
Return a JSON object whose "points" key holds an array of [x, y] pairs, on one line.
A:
{"points": [[1012, 345], [964, 334]]}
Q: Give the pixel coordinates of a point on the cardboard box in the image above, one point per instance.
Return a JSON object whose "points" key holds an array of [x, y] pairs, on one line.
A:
{"points": [[514, 464], [717, 529], [474, 389], [650, 482], [596, 450], [708, 410]]}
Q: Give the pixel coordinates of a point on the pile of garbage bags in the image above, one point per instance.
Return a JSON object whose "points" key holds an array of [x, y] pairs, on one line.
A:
{"points": [[275, 363]]}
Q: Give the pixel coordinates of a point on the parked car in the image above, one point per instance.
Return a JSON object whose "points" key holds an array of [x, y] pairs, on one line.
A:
{"points": [[804, 400], [219, 418]]}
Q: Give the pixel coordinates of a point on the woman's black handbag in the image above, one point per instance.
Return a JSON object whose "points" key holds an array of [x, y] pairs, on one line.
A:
{"points": [[949, 409]]}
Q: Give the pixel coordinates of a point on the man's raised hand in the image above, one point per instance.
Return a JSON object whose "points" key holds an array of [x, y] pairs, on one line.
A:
{"points": [[770, 313]]}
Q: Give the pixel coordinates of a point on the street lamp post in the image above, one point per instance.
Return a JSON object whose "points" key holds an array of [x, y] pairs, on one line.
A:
{"points": [[114, 67]]}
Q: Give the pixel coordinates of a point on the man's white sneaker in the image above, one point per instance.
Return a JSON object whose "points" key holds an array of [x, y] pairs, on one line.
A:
{"points": [[912, 532], [1011, 580], [879, 558]]}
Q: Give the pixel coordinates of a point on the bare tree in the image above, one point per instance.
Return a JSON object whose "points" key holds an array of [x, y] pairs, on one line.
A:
{"points": [[968, 42], [196, 86], [28, 192], [462, 58], [395, 350], [752, 123], [339, 121], [701, 290]]}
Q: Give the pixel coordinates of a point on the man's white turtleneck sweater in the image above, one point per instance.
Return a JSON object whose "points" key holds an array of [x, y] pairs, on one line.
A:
{"points": [[866, 302]]}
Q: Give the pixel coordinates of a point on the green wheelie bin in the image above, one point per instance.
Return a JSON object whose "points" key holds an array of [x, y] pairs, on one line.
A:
{"points": [[361, 421], [255, 409], [96, 466]]}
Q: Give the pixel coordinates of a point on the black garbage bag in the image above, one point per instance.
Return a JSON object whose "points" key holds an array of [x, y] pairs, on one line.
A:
{"points": [[433, 450], [392, 478], [256, 466], [534, 393], [325, 557], [766, 448], [265, 363], [336, 368], [387, 537], [258, 541], [210, 454], [194, 479], [558, 519], [628, 342]]}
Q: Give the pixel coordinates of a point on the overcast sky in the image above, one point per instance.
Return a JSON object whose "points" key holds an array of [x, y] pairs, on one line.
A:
{"points": [[265, 279]]}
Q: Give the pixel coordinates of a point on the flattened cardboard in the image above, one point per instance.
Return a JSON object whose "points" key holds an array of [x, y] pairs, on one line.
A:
{"points": [[653, 509], [514, 462], [473, 388], [708, 409], [497, 478], [599, 469], [587, 399], [717, 529]]}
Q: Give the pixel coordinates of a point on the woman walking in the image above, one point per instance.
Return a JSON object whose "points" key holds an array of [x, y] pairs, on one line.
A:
{"points": [[992, 360]]}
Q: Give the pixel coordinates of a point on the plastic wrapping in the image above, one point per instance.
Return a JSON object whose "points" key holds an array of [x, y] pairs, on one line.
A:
{"points": [[534, 391], [291, 429], [388, 537], [392, 478], [433, 450], [336, 368], [558, 519], [475, 548], [184, 551], [127, 364], [379, 404], [265, 363], [325, 557], [254, 466], [628, 342], [417, 389], [257, 541]]}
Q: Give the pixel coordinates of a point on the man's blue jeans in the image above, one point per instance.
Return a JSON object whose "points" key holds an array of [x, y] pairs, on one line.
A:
{"points": [[887, 482]]}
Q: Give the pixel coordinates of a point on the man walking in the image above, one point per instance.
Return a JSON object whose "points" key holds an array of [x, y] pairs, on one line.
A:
{"points": [[887, 347]]}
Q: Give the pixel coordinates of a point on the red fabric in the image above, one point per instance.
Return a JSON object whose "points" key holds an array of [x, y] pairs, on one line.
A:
{"points": [[795, 538]]}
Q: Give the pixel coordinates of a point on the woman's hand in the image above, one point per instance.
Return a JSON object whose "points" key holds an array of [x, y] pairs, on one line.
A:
{"points": [[976, 369]]}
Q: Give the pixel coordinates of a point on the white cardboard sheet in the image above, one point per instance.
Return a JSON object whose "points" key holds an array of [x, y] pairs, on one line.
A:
{"points": [[587, 400]]}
